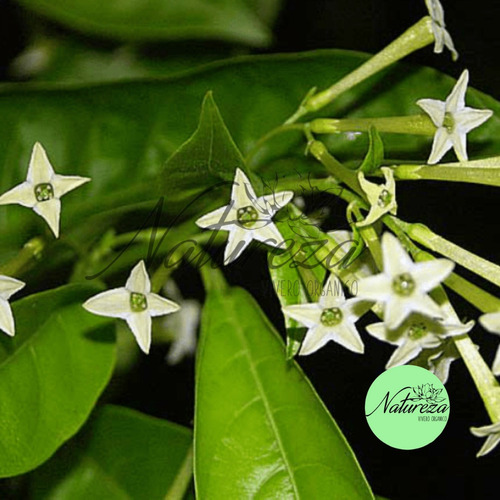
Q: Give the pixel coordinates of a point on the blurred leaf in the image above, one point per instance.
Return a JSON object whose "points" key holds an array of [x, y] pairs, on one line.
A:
{"points": [[209, 158], [120, 454], [121, 134], [260, 429], [64, 59], [375, 156], [228, 20], [52, 373]]}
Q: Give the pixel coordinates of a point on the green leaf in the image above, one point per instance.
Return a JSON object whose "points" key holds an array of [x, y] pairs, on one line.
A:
{"points": [[375, 156], [121, 134], [120, 454], [52, 373], [260, 429], [62, 59], [228, 20], [209, 158]]}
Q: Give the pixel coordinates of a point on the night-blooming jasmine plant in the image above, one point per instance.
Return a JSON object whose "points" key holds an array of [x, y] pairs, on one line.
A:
{"points": [[382, 197], [247, 217], [43, 189], [453, 120], [492, 435], [441, 35], [8, 287], [415, 334], [491, 322], [332, 318], [134, 303], [403, 285]]}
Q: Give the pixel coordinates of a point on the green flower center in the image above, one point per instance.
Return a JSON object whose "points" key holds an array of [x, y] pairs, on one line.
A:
{"points": [[331, 317], [403, 284], [247, 216], [449, 122], [138, 302], [384, 198], [417, 331], [44, 192]]}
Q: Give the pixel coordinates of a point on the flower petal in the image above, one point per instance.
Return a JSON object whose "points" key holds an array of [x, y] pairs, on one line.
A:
{"points": [[332, 294], [50, 210], [459, 142], [376, 288], [456, 99], [140, 324], [138, 281], [489, 445], [434, 108], [113, 303], [40, 170], [307, 314], [404, 353], [428, 275], [9, 286], [470, 118], [223, 218], [160, 306], [268, 234], [271, 203], [491, 322], [381, 332], [396, 310], [346, 334], [237, 241], [441, 145], [422, 303], [314, 340], [242, 194], [6, 318], [63, 184], [396, 259], [22, 194], [495, 368]]}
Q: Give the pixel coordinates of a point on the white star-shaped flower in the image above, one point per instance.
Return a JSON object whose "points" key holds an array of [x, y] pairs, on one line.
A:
{"points": [[183, 325], [382, 197], [453, 120], [441, 36], [332, 318], [134, 303], [247, 217], [492, 435], [416, 334], [43, 189], [403, 285], [491, 322], [8, 287]]}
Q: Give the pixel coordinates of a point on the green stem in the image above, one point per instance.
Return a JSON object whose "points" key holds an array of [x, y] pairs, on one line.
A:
{"points": [[482, 267], [476, 172], [476, 296], [415, 38], [274, 132], [334, 167], [413, 124], [25, 259], [181, 482]]}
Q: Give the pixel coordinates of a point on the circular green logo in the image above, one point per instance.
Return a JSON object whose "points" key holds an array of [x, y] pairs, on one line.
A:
{"points": [[407, 407]]}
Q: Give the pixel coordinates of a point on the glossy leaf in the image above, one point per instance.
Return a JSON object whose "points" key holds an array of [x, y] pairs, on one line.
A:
{"points": [[52, 373], [209, 158], [260, 429], [120, 454], [229, 20], [121, 134]]}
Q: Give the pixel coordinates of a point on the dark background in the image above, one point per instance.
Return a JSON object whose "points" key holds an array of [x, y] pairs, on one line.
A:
{"points": [[465, 214]]}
